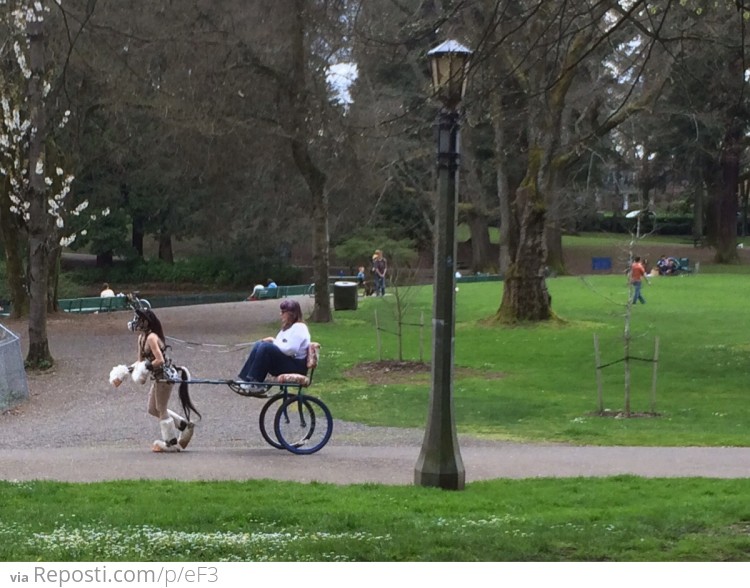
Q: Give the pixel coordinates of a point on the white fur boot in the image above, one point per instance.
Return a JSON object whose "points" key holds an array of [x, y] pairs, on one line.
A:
{"points": [[168, 441], [185, 427]]}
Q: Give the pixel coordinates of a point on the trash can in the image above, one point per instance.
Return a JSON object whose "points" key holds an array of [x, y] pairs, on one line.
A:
{"points": [[345, 296]]}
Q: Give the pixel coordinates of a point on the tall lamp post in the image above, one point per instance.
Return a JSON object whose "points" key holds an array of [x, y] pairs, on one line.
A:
{"points": [[440, 462]]}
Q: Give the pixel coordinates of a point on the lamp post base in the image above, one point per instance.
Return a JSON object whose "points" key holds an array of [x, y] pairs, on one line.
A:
{"points": [[448, 475], [444, 480]]}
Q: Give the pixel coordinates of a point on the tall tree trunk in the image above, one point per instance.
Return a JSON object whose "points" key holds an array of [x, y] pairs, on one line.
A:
{"points": [[138, 231], [699, 198], [39, 232], [508, 227], [53, 277], [506, 220], [473, 208], [314, 177], [481, 258], [105, 259], [726, 201], [555, 259], [322, 308], [713, 189], [525, 296], [744, 194], [554, 223], [165, 246]]}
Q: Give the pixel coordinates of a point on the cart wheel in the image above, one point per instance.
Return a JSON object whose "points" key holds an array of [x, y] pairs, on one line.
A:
{"points": [[267, 414], [303, 424]]}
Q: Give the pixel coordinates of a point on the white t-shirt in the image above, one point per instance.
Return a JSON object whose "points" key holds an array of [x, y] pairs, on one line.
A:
{"points": [[108, 293], [294, 341]]}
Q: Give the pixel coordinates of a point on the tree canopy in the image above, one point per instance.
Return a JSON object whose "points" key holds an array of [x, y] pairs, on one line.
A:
{"points": [[221, 121]]}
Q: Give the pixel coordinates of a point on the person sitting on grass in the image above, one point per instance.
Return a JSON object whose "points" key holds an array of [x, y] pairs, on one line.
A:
{"points": [[286, 353], [667, 266]]}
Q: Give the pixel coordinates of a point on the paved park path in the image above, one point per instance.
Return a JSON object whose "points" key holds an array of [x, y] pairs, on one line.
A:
{"points": [[341, 464], [76, 427]]}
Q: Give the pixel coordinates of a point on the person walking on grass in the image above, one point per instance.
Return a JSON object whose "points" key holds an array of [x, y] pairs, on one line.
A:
{"points": [[637, 275]]}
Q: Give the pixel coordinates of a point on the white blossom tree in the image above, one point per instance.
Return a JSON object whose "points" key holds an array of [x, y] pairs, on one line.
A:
{"points": [[36, 186]]}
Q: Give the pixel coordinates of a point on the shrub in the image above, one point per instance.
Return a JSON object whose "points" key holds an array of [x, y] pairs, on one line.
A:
{"points": [[223, 272]]}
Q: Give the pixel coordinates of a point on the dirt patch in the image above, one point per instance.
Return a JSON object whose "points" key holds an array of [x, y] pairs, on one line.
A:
{"points": [[406, 372], [619, 414]]}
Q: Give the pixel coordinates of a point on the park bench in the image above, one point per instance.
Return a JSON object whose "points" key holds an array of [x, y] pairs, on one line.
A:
{"points": [[267, 294], [296, 290], [479, 278], [93, 304], [281, 292]]}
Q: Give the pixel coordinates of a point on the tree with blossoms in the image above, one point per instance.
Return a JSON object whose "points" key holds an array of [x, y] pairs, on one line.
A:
{"points": [[34, 199]]}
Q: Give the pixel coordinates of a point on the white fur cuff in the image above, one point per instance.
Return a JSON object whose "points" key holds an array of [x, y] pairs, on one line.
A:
{"points": [[118, 374], [140, 373]]}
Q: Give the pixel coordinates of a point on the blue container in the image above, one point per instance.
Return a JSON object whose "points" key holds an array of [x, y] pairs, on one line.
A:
{"points": [[601, 263]]}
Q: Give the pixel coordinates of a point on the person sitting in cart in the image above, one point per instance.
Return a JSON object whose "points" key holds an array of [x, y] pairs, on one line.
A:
{"points": [[283, 354]]}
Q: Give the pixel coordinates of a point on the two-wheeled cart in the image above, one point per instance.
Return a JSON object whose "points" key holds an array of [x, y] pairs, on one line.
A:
{"points": [[290, 419]]}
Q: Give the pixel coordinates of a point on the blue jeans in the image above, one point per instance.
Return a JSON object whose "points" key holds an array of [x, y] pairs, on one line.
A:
{"points": [[379, 285], [637, 293], [266, 358]]}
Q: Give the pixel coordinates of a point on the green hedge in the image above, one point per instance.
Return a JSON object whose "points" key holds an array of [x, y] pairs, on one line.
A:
{"points": [[660, 224], [223, 272]]}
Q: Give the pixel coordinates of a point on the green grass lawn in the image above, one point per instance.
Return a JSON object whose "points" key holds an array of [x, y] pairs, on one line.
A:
{"points": [[538, 383], [617, 519], [531, 383]]}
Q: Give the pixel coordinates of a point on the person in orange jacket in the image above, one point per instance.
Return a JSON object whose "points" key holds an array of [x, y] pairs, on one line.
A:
{"points": [[637, 275]]}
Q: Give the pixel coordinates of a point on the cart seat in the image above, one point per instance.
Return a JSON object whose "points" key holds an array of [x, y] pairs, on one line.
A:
{"points": [[313, 355]]}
